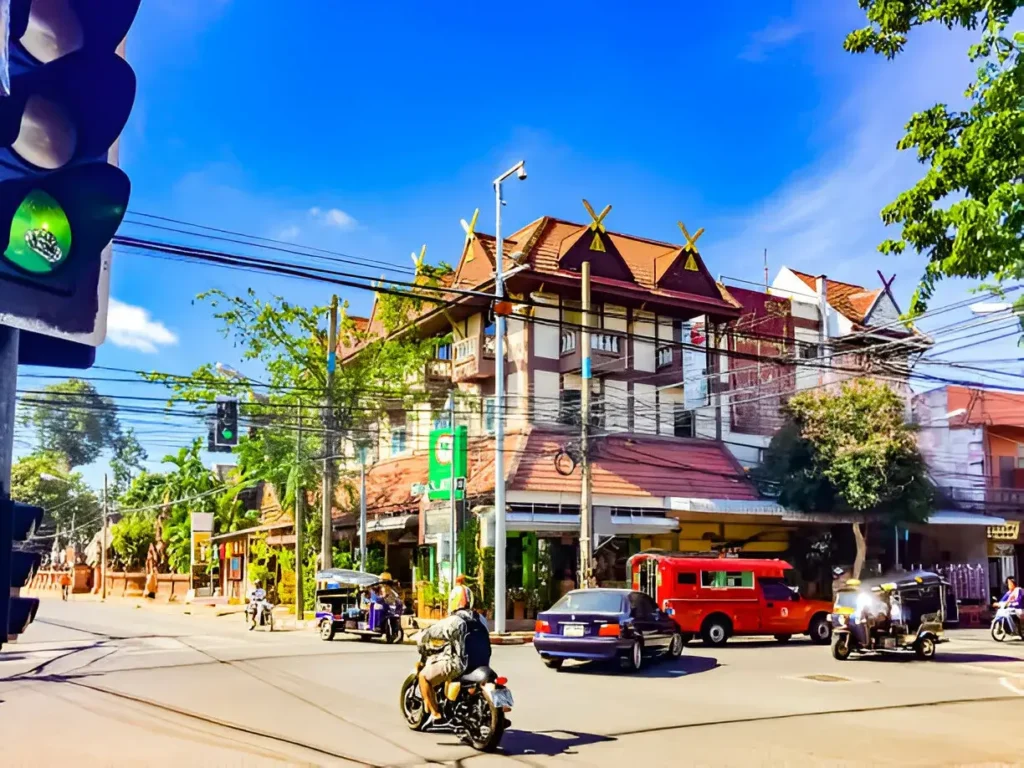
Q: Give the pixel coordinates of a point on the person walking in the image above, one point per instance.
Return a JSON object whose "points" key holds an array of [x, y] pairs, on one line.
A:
{"points": [[65, 584]]}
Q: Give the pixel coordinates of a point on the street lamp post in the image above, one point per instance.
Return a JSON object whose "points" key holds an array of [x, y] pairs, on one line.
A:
{"points": [[499, 391]]}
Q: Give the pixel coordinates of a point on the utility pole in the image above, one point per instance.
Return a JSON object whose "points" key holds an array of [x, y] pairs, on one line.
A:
{"points": [[586, 487], [103, 540], [300, 508], [451, 493], [326, 559], [362, 508]]}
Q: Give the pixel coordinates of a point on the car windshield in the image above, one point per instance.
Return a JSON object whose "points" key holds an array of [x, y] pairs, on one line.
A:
{"points": [[847, 599], [598, 602]]}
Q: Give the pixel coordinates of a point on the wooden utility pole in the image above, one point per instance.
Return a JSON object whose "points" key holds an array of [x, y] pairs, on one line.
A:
{"points": [[586, 487], [326, 558], [300, 508], [103, 540]]}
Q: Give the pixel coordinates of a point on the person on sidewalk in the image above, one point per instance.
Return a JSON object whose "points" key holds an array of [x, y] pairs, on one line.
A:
{"points": [[65, 584], [151, 584]]}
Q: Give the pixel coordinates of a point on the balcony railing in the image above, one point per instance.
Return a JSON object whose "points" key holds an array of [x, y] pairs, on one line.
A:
{"points": [[991, 498], [568, 342], [464, 348], [604, 342]]}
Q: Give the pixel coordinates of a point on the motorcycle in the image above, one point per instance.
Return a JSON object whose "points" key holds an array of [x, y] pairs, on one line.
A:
{"points": [[1006, 624], [474, 706], [266, 618]]}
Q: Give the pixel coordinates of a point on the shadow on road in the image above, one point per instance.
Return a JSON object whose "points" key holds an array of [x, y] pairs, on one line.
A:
{"points": [[943, 657], [681, 667], [549, 743]]}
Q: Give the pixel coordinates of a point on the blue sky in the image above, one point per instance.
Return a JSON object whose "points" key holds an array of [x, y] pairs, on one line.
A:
{"points": [[373, 128]]}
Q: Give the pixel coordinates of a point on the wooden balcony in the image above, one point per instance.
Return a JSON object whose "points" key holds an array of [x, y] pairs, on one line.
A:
{"points": [[473, 358], [607, 352]]}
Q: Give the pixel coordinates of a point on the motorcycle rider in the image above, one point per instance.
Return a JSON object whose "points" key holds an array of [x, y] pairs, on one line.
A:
{"points": [[257, 603], [1013, 600], [456, 643]]}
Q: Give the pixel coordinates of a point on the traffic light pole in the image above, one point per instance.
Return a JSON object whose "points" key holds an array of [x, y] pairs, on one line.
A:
{"points": [[104, 544], [8, 386], [300, 507]]}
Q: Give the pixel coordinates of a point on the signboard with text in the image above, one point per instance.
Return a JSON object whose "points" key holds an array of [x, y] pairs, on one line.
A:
{"points": [[443, 450]]}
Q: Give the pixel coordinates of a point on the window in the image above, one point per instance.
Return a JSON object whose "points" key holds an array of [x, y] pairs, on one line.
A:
{"points": [[490, 409], [444, 351], [808, 351], [683, 421], [489, 328], [777, 590], [596, 600], [664, 357], [687, 579], [727, 579], [642, 607], [397, 440], [569, 406]]}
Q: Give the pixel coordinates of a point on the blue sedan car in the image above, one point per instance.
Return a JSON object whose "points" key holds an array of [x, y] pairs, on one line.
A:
{"points": [[606, 625]]}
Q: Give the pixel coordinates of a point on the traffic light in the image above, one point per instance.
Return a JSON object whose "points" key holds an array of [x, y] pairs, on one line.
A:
{"points": [[227, 422], [60, 199], [17, 522]]}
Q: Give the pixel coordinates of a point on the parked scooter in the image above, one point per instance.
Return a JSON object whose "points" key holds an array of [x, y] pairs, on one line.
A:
{"points": [[1006, 624]]}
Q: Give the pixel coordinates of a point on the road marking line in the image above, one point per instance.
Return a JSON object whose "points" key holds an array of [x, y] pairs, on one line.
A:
{"points": [[1010, 686]]}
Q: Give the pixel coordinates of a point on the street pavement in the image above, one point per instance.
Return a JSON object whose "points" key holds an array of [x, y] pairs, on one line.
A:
{"points": [[100, 684]]}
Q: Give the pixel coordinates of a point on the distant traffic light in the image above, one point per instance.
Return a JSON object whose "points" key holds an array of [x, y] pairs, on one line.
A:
{"points": [[227, 422], [60, 199], [17, 522]]}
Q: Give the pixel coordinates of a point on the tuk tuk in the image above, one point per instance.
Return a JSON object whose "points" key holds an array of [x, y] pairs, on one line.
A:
{"points": [[357, 603], [902, 613]]}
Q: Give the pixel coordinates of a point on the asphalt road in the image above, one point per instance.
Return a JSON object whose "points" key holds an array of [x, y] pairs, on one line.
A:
{"points": [[98, 684]]}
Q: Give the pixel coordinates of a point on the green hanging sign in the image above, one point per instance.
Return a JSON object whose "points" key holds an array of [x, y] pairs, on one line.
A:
{"points": [[442, 453], [40, 234]]}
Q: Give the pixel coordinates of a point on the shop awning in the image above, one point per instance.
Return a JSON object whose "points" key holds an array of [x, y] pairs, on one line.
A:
{"points": [[635, 525], [542, 522], [389, 523], [726, 506], [956, 517]]}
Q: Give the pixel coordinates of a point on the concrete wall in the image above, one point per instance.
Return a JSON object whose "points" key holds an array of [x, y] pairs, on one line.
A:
{"points": [[616, 405], [546, 333], [645, 409], [545, 396], [643, 351]]}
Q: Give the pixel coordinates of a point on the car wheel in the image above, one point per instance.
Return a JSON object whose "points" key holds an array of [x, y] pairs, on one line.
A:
{"points": [[715, 632], [326, 629], [634, 657], [675, 646], [820, 630], [783, 638], [841, 647], [925, 648], [553, 663]]}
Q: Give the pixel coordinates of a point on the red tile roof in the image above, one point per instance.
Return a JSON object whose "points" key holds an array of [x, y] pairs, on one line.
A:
{"points": [[852, 301], [985, 407], [640, 467], [629, 466]]}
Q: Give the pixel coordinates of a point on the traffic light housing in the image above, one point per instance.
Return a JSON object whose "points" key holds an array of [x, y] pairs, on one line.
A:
{"points": [[226, 434], [17, 523], [61, 201]]}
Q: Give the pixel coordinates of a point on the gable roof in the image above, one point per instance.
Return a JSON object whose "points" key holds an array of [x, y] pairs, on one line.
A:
{"points": [[854, 302]]}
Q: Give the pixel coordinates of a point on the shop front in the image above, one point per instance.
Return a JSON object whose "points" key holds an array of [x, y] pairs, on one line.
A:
{"points": [[1005, 549]]}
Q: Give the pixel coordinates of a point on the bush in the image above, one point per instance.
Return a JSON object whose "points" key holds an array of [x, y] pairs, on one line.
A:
{"points": [[130, 538]]}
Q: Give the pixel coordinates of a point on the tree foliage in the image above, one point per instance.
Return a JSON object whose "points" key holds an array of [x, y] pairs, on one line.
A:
{"points": [[850, 452], [71, 418], [127, 460], [130, 538], [967, 212], [44, 479]]}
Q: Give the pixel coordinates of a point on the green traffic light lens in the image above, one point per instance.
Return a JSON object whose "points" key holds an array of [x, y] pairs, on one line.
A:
{"points": [[40, 234]]}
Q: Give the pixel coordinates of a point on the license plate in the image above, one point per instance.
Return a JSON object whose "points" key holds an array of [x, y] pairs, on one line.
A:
{"points": [[572, 630], [502, 697]]}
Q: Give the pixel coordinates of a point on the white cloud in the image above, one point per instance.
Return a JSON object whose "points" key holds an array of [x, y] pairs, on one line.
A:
{"points": [[289, 233], [334, 217], [132, 327], [825, 218], [775, 35]]}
